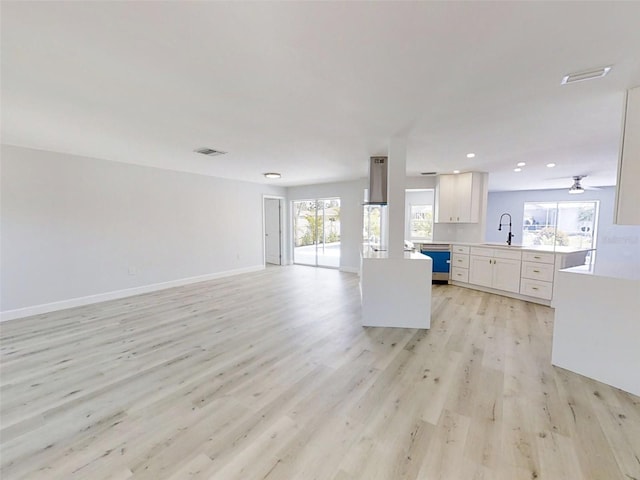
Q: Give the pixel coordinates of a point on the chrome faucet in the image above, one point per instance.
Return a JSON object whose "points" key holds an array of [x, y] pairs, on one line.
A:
{"points": [[509, 235]]}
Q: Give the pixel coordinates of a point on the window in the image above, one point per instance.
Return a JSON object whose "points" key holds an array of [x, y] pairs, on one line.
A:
{"points": [[374, 227], [566, 224], [421, 222]]}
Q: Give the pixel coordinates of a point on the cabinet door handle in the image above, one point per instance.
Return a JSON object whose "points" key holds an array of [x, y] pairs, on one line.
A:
{"points": [[536, 271], [534, 288], [536, 256]]}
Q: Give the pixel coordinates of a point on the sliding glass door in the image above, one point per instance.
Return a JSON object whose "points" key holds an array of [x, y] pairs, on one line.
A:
{"points": [[316, 226], [566, 224]]}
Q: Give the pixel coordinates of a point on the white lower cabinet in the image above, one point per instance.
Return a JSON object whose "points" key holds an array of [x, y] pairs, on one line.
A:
{"points": [[460, 260], [529, 274], [460, 263], [506, 275], [481, 271], [537, 271], [536, 288], [460, 274], [537, 275], [493, 268]]}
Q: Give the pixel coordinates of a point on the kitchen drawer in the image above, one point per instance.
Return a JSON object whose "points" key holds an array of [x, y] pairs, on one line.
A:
{"points": [[542, 257], [537, 271], [508, 254], [460, 249], [496, 253], [536, 288], [460, 260], [460, 274], [481, 251]]}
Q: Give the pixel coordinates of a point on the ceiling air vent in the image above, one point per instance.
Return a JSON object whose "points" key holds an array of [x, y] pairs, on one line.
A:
{"points": [[582, 76], [428, 174], [209, 151]]}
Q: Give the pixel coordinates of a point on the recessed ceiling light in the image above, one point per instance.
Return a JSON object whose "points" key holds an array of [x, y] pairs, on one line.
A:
{"points": [[586, 75], [520, 164], [551, 165], [456, 171], [518, 169], [471, 155], [272, 175]]}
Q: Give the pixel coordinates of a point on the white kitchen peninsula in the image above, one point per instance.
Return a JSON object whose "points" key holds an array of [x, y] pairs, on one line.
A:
{"points": [[513, 270], [396, 292], [597, 323]]}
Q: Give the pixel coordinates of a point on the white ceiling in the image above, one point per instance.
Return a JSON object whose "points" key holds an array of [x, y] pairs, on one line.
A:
{"points": [[311, 90]]}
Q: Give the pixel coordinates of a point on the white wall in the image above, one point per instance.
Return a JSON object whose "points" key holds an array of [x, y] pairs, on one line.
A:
{"points": [[615, 243], [351, 196], [459, 232], [74, 226]]}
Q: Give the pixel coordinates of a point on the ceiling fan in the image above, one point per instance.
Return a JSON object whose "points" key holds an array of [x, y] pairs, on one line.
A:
{"points": [[577, 186]]}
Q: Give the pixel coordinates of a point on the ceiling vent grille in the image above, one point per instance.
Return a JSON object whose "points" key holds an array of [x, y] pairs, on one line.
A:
{"points": [[582, 76], [209, 151]]}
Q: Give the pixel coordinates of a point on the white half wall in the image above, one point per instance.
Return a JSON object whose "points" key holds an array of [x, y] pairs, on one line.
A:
{"points": [[596, 328], [76, 228]]}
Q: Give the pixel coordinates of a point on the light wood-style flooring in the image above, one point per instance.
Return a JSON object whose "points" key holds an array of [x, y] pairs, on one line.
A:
{"points": [[270, 375]]}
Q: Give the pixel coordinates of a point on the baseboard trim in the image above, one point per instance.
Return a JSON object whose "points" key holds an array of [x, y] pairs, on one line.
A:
{"points": [[116, 294], [503, 293], [350, 269]]}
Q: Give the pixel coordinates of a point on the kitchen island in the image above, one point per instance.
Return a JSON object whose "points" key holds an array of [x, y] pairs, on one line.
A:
{"points": [[597, 323], [395, 292]]}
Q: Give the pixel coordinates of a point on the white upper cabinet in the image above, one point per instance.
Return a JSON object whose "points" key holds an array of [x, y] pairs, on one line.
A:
{"points": [[446, 198], [459, 198], [627, 191]]}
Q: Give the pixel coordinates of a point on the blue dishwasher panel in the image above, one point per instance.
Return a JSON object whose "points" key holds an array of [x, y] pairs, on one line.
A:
{"points": [[440, 260]]}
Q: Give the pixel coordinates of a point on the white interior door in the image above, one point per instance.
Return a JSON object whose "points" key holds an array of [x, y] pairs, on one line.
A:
{"points": [[272, 228]]}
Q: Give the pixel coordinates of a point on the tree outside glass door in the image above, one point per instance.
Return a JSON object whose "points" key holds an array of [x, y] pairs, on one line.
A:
{"points": [[317, 232]]}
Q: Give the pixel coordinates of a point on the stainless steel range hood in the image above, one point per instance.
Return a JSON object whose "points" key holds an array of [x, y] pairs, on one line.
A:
{"points": [[377, 181]]}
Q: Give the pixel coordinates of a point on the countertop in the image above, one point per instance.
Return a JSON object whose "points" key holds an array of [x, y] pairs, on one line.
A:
{"points": [[532, 248], [384, 255]]}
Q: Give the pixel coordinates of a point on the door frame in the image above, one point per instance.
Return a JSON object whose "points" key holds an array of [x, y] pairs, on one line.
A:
{"points": [[281, 204]]}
